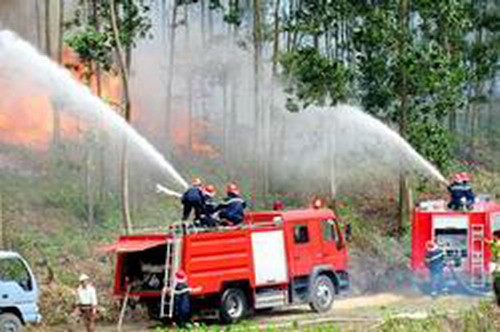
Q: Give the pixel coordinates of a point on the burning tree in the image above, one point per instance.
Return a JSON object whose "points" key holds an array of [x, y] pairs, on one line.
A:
{"points": [[105, 34]]}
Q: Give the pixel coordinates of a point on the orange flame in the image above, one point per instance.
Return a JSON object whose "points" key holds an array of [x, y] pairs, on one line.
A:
{"points": [[188, 136], [29, 120]]}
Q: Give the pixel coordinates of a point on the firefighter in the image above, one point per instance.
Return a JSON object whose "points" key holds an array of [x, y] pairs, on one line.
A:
{"points": [[193, 199], [462, 196], [495, 266], [278, 205], [468, 194], [182, 299], [233, 207], [208, 218], [434, 258]]}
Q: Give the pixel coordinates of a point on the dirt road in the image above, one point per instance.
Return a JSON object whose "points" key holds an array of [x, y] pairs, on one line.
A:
{"points": [[352, 313]]}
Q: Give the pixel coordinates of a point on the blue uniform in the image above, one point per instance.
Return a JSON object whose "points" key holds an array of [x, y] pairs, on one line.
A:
{"points": [[209, 210], [435, 263], [232, 208], [459, 193], [192, 199], [182, 304]]}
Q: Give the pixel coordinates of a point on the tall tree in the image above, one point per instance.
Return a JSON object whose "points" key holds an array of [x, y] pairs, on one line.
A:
{"points": [[127, 220]]}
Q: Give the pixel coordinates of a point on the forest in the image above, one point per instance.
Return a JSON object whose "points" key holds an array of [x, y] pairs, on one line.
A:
{"points": [[370, 106]]}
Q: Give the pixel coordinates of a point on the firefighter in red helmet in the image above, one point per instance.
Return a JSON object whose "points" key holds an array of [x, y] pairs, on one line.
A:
{"points": [[461, 195], [233, 207], [208, 217], [193, 199], [278, 205]]}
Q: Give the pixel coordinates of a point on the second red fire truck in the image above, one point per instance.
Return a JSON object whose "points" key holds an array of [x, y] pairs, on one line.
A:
{"points": [[274, 259]]}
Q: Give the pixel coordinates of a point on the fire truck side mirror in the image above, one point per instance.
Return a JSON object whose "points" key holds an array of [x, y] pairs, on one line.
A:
{"points": [[348, 232]]}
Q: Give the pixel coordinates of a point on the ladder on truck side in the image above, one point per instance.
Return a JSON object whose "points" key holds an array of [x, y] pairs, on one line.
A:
{"points": [[172, 262], [478, 277]]}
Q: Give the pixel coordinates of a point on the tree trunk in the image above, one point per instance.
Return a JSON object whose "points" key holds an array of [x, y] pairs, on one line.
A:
{"points": [[258, 118], [60, 32], [127, 221], [276, 36], [2, 242], [404, 189], [48, 43], [171, 63]]}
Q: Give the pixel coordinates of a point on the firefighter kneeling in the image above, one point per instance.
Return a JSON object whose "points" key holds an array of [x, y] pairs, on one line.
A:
{"points": [[232, 209]]}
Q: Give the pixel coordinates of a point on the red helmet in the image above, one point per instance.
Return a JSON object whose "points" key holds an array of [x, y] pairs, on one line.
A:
{"points": [[233, 189], [278, 205], [196, 182], [457, 177], [465, 176], [180, 275], [210, 189], [317, 203]]}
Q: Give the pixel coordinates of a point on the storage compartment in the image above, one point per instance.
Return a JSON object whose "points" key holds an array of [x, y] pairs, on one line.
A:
{"points": [[451, 234], [144, 270]]}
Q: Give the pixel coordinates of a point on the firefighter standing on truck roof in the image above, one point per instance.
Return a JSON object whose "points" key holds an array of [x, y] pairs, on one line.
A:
{"points": [[208, 218], [461, 195], [233, 207], [434, 258], [192, 199]]}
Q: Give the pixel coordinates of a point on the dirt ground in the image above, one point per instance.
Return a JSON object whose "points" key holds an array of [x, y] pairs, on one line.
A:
{"points": [[350, 313]]}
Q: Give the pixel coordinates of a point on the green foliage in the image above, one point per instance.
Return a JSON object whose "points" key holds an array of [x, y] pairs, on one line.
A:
{"points": [[93, 39], [480, 318], [317, 78], [433, 141], [406, 65], [233, 14], [92, 46]]}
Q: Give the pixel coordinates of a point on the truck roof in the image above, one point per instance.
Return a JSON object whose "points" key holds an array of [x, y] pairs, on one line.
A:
{"points": [[440, 206], [292, 215], [148, 239]]}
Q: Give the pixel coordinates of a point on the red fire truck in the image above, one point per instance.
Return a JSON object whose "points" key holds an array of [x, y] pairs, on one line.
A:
{"points": [[463, 235], [274, 259]]}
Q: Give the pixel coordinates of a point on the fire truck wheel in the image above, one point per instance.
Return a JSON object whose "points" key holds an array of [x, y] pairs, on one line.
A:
{"points": [[10, 322], [322, 294], [234, 305]]}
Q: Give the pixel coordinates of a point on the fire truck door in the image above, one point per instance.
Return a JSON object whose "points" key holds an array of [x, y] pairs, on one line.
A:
{"points": [[305, 247], [332, 243]]}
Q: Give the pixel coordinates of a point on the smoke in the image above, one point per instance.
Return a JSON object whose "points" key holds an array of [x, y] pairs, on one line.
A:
{"points": [[25, 73], [221, 108]]}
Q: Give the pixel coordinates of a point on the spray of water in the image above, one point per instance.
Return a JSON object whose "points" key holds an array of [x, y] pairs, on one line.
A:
{"points": [[21, 66], [342, 149]]}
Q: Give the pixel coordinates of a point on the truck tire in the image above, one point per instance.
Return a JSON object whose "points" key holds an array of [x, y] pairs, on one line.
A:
{"points": [[10, 323], [233, 306], [322, 292]]}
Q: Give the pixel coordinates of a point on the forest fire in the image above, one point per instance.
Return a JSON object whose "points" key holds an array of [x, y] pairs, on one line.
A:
{"points": [[30, 120], [190, 135]]}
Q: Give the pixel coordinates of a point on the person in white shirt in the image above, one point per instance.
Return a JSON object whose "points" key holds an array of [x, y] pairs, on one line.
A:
{"points": [[86, 302]]}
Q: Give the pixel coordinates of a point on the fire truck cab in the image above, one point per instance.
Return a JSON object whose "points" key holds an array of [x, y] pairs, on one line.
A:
{"points": [[274, 259], [463, 236]]}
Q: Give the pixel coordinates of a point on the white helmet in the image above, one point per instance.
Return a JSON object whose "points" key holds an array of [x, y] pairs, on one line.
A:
{"points": [[83, 277]]}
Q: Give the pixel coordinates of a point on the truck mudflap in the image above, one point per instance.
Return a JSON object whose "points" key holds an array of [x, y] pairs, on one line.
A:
{"points": [[344, 281]]}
